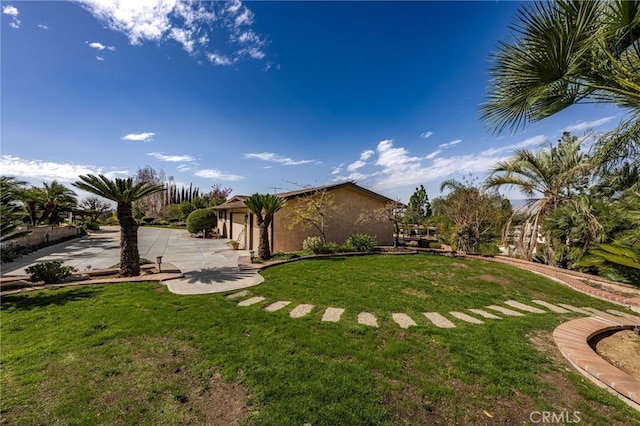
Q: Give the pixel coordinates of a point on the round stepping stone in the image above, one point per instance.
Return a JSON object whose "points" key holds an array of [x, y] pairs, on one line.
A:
{"points": [[365, 318], [574, 309], [403, 320], [332, 314], [484, 314], [505, 311], [276, 306], [251, 301], [300, 310], [523, 307], [465, 317], [238, 294], [551, 307], [438, 320]]}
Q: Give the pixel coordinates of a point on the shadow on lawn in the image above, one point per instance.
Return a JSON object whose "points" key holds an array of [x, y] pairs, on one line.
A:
{"points": [[217, 275], [33, 299]]}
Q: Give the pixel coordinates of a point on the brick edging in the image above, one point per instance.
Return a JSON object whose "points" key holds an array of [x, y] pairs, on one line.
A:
{"points": [[572, 338]]}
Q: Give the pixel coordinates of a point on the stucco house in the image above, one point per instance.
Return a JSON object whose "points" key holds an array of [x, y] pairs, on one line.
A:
{"points": [[235, 220]]}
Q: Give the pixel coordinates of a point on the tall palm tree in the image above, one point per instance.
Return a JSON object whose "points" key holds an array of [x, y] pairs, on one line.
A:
{"points": [[57, 198], [124, 193], [264, 206], [568, 52], [546, 177]]}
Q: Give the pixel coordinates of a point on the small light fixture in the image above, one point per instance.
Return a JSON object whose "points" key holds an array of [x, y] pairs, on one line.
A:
{"points": [[159, 262]]}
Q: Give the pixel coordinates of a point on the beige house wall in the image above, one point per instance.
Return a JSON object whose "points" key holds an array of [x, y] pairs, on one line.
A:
{"points": [[350, 204]]}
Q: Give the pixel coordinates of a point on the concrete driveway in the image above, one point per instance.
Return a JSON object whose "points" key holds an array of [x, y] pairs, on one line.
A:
{"points": [[208, 266]]}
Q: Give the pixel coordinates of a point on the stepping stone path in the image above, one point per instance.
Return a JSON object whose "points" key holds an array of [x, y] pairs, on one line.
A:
{"points": [[465, 317], [251, 301], [300, 310], [403, 320], [524, 307], [597, 312], [332, 314], [484, 314], [574, 309], [438, 320], [622, 314], [505, 311], [365, 318], [551, 307], [238, 294], [276, 306]]}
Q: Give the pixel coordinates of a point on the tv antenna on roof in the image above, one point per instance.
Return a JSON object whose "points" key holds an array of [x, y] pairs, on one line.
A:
{"points": [[275, 189]]}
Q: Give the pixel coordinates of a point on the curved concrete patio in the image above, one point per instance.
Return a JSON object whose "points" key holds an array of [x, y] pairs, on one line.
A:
{"points": [[206, 266]]}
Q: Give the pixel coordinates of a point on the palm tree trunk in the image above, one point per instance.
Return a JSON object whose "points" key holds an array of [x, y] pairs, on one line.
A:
{"points": [[129, 255], [264, 252]]}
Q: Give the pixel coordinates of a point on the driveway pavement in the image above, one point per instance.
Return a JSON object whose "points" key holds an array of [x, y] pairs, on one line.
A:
{"points": [[208, 266]]}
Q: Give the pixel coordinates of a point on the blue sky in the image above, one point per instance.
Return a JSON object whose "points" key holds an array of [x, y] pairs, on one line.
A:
{"points": [[259, 95]]}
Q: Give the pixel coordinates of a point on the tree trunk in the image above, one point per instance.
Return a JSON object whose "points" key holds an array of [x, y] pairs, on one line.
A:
{"points": [[264, 252], [129, 255]]}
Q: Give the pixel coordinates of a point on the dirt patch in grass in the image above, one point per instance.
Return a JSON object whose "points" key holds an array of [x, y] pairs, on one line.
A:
{"points": [[415, 293], [493, 279], [146, 380], [621, 349]]}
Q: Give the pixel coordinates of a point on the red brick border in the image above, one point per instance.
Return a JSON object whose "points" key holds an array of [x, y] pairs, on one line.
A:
{"points": [[572, 339]]}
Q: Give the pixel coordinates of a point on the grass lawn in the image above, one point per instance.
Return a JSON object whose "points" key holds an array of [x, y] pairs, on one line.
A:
{"points": [[137, 354]]}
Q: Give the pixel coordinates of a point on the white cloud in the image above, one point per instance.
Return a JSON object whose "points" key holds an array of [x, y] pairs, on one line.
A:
{"points": [[171, 158], [425, 135], [100, 58], [99, 46], [533, 141], [450, 144], [43, 26], [395, 167], [585, 125], [10, 10], [217, 174], [185, 167], [356, 165], [218, 59], [141, 137], [48, 170], [275, 158], [13, 12], [187, 22], [433, 155], [365, 155], [337, 170]]}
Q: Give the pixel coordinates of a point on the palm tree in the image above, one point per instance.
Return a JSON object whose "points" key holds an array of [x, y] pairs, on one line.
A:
{"points": [[57, 198], [11, 213], [264, 206], [124, 193], [564, 53], [550, 175]]}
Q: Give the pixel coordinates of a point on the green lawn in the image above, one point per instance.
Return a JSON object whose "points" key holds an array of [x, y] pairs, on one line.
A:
{"points": [[137, 354]]}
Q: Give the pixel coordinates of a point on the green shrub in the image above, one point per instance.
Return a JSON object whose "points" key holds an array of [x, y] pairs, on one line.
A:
{"points": [[361, 243], [489, 249], [435, 245], [50, 272], [92, 226], [315, 245], [148, 220], [202, 220], [423, 243], [284, 256]]}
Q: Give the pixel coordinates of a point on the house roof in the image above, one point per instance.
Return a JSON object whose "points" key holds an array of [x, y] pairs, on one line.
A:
{"points": [[237, 201]]}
